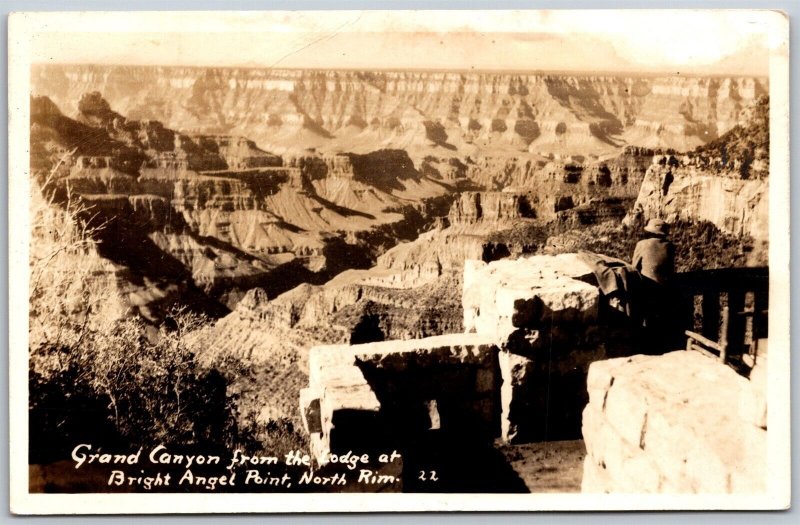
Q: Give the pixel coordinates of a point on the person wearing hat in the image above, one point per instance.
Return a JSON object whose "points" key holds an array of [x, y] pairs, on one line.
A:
{"points": [[654, 258]]}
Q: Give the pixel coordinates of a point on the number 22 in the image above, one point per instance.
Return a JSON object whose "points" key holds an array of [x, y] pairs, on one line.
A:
{"points": [[428, 476]]}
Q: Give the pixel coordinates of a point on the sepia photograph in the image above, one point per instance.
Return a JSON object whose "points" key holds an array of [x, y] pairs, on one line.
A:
{"points": [[399, 260]]}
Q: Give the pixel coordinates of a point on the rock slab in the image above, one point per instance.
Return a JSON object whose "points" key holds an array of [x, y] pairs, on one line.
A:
{"points": [[670, 424], [540, 292]]}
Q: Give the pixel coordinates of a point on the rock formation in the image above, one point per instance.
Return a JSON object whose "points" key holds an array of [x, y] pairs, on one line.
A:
{"points": [[231, 214], [422, 112], [725, 182]]}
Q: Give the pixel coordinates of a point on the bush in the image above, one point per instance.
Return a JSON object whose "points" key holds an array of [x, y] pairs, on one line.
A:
{"points": [[698, 245], [122, 386]]}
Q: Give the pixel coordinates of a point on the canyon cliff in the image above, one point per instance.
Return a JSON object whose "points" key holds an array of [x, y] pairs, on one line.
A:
{"points": [[440, 113], [725, 182], [219, 214]]}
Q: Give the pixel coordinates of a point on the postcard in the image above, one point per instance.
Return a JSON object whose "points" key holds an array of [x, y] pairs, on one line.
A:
{"points": [[362, 261]]}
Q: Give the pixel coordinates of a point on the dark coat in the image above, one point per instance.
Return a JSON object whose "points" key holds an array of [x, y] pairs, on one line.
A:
{"points": [[655, 259]]}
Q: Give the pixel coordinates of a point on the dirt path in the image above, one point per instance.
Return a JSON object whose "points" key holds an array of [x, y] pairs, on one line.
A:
{"points": [[554, 466]]}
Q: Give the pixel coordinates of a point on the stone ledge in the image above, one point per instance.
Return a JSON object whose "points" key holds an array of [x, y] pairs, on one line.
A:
{"points": [[453, 347], [497, 297], [670, 423]]}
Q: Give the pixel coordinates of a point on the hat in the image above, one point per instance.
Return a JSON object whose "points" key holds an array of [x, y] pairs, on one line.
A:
{"points": [[657, 227]]}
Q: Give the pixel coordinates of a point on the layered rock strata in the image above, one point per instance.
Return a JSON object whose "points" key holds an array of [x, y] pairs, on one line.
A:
{"points": [[674, 191], [440, 112], [725, 182], [230, 213]]}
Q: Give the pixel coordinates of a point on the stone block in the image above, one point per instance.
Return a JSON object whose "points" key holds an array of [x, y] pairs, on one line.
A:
{"points": [[640, 473], [669, 446], [611, 452], [310, 411], [322, 358], [516, 371], [626, 410], [753, 398], [749, 475], [671, 423], [350, 397], [595, 478], [349, 417], [319, 447], [543, 306], [339, 375], [525, 293], [601, 376], [591, 425]]}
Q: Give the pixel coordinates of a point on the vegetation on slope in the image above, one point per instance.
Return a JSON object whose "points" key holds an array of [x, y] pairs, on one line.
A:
{"points": [[743, 145], [100, 375], [699, 245]]}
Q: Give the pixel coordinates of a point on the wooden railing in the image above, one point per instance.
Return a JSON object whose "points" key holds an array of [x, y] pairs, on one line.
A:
{"points": [[726, 312]]}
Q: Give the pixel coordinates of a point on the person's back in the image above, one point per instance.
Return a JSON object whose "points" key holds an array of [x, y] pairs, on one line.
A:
{"points": [[655, 259]]}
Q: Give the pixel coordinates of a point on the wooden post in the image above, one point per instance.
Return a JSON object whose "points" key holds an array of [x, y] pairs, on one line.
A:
{"points": [[760, 321], [711, 315], [723, 338], [735, 329]]}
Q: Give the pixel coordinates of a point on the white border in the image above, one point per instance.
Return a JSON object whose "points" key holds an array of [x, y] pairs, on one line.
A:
{"points": [[25, 26]]}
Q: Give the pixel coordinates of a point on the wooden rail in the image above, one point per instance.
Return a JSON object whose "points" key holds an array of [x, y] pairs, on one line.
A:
{"points": [[726, 311]]}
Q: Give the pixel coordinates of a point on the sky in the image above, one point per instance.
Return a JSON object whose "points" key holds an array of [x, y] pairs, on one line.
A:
{"points": [[721, 42]]}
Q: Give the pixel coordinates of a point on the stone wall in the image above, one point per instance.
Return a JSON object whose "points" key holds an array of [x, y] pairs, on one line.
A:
{"points": [[544, 316], [499, 297], [372, 395], [518, 373], [677, 423]]}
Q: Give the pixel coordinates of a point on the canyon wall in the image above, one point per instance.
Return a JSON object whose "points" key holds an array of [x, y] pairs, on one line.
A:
{"points": [[725, 182], [739, 207], [220, 214], [291, 110]]}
